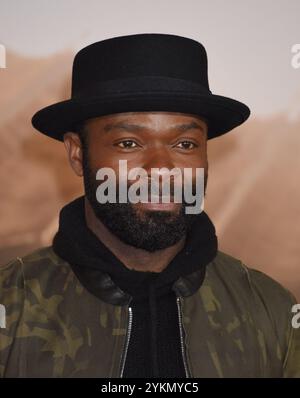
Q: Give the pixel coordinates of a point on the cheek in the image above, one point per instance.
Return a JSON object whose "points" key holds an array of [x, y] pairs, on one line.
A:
{"points": [[100, 157], [192, 161], [194, 164]]}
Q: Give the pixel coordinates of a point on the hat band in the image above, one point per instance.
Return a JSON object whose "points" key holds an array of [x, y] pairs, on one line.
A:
{"points": [[136, 85]]}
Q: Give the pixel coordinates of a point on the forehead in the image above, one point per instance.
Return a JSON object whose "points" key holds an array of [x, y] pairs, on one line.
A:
{"points": [[159, 119]]}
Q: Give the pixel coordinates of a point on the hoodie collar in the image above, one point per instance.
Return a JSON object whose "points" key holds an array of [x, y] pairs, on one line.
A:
{"points": [[105, 276]]}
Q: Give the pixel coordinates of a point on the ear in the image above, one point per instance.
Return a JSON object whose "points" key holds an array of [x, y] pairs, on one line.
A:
{"points": [[74, 150]]}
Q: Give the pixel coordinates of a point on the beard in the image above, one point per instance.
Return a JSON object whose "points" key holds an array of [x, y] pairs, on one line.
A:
{"points": [[149, 230]]}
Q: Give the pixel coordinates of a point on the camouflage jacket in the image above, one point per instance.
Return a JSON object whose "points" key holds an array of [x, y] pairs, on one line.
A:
{"points": [[237, 324]]}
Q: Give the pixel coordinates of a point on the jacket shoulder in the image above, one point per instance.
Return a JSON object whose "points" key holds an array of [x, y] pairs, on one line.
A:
{"points": [[41, 255], [234, 272], [31, 289], [14, 274], [20, 273], [248, 290]]}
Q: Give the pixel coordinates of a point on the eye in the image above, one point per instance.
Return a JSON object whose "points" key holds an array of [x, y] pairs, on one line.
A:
{"points": [[127, 144], [186, 145]]}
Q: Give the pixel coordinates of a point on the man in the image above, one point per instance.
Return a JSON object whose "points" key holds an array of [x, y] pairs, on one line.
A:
{"points": [[139, 289]]}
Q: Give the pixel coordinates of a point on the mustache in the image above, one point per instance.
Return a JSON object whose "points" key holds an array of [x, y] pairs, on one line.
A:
{"points": [[170, 188]]}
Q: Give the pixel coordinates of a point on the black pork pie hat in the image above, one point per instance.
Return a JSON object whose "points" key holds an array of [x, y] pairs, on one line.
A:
{"points": [[141, 72]]}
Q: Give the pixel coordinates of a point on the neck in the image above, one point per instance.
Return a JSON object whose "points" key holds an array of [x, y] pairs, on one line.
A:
{"points": [[131, 257]]}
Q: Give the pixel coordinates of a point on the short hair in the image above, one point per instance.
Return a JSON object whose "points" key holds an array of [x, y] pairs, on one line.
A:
{"points": [[81, 130]]}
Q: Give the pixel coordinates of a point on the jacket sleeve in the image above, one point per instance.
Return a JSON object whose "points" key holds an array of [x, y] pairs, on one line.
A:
{"points": [[279, 303], [11, 310]]}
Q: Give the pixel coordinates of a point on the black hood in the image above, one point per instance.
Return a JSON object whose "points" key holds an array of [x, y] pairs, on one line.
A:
{"points": [[105, 276]]}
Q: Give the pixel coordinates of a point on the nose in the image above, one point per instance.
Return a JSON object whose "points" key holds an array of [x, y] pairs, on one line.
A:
{"points": [[162, 171], [157, 158]]}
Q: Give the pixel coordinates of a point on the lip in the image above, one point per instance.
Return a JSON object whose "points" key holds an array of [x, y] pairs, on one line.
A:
{"points": [[160, 206]]}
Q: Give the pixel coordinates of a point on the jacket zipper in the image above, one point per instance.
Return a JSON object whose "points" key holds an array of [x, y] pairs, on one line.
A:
{"points": [[183, 352], [128, 333]]}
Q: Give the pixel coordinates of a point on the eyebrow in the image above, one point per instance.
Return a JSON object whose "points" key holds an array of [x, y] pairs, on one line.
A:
{"points": [[135, 127]]}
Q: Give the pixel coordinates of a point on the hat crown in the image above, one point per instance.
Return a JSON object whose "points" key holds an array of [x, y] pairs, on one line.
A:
{"points": [[139, 55], [141, 73]]}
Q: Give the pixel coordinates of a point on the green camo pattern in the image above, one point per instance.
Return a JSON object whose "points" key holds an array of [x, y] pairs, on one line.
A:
{"points": [[238, 324]]}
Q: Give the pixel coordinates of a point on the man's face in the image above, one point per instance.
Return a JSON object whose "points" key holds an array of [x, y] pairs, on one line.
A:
{"points": [[146, 140]]}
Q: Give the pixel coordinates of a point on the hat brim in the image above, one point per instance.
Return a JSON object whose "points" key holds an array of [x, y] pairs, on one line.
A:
{"points": [[223, 113]]}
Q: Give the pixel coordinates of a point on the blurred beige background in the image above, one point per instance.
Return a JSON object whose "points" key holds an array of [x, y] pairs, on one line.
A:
{"points": [[253, 193]]}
